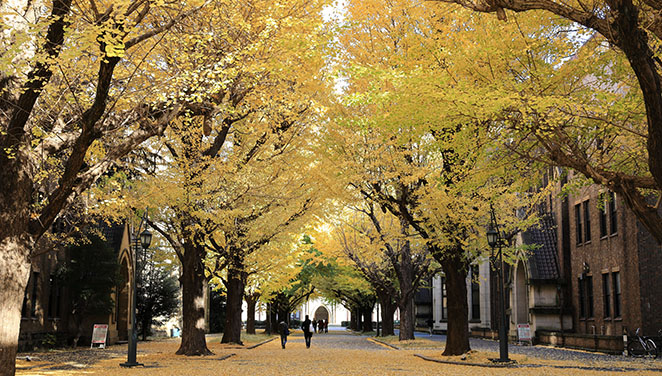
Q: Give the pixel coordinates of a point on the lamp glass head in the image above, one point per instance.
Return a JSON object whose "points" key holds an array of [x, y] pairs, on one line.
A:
{"points": [[492, 237], [145, 238]]}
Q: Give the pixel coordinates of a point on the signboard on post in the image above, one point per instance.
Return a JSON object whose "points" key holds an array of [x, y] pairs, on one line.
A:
{"points": [[524, 333], [99, 335]]}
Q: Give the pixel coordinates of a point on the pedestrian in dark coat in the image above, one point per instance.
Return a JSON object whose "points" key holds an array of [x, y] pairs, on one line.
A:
{"points": [[315, 323], [284, 331], [307, 327], [326, 326]]}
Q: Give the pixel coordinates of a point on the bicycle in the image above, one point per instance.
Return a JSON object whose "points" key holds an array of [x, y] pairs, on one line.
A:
{"points": [[642, 346]]}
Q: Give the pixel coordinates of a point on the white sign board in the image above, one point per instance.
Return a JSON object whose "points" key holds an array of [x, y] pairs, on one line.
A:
{"points": [[524, 332], [99, 335]]}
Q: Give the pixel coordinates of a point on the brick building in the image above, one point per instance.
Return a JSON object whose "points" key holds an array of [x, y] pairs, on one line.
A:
{"points": [[616, 266], [600, 274]]}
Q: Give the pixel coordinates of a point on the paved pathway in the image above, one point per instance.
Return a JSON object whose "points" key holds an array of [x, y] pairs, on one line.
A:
{"points": [[335, 353], [337, 340]]}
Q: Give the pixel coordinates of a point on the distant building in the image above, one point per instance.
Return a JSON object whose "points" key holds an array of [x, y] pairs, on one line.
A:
{"points": [[478, 300]]}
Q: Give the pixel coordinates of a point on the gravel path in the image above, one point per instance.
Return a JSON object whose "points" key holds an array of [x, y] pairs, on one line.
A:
{"points": [[543, 352]]}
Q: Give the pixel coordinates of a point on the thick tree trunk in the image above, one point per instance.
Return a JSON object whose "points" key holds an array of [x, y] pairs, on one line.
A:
{"points": [[388, 309], [235, 289], [407, 323], [353, 319], [455, 270], [367, 320], [251, 303], [15, 248], [193, 305]]}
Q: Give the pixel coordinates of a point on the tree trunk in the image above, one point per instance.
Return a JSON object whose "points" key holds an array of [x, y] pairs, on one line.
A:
{"points": [[14, 276], [407, 323], [353, 320], [455, 270], [268, 327], [251, 302], [235, 286], [193, 305], [388, 309], [406, 277], [367, 319]]}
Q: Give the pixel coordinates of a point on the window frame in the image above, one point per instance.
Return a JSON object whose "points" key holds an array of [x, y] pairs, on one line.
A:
{"points": [[587, 220], [606, 295], [578, 224], [617, 292], [604, 228], [613, 214]]}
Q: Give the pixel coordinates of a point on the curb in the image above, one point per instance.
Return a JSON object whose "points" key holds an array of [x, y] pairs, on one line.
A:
{"points": [[388, 345], [510, 365], [260, 344], [225, 356], [514, 365]]}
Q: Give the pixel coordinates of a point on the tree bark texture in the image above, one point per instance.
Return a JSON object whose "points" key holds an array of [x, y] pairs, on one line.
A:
{"points": [[455, 270], [353, 320], [235, 286], [407, 323], [387, 312], [14, 275], [251, 303], [193, 304], [405, 273], [367, 320]]}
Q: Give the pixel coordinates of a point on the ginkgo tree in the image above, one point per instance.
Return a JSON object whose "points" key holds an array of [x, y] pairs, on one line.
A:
{"points": [[436, 172], [72, 78], [599, 113], [226, 181]]}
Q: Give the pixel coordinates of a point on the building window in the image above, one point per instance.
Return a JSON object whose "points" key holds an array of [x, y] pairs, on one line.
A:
{"points": [[616, 280], [613, 221], [587, 222], [33, 294], [53, 298], [444, 302], [475, 293], [582, 298], [589, 296], [603, 219], [578, 222], [586, 297], [606, 296]]}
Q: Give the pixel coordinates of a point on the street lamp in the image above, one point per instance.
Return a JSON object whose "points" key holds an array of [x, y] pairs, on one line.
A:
{"points": [[494, 239], [145, 241]]}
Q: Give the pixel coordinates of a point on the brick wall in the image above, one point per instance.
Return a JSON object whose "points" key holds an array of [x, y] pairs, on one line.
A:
{"points": [[604, 255], [650, 275]]}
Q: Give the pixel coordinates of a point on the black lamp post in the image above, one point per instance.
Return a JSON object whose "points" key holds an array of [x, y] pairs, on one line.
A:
{"points": [[494, 239], [145, 241]]}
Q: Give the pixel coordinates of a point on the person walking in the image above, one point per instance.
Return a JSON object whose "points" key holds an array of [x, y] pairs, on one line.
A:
{"points": [[307, 327], [430, 325], [315, 323], [284, 331], [326, 325]]}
